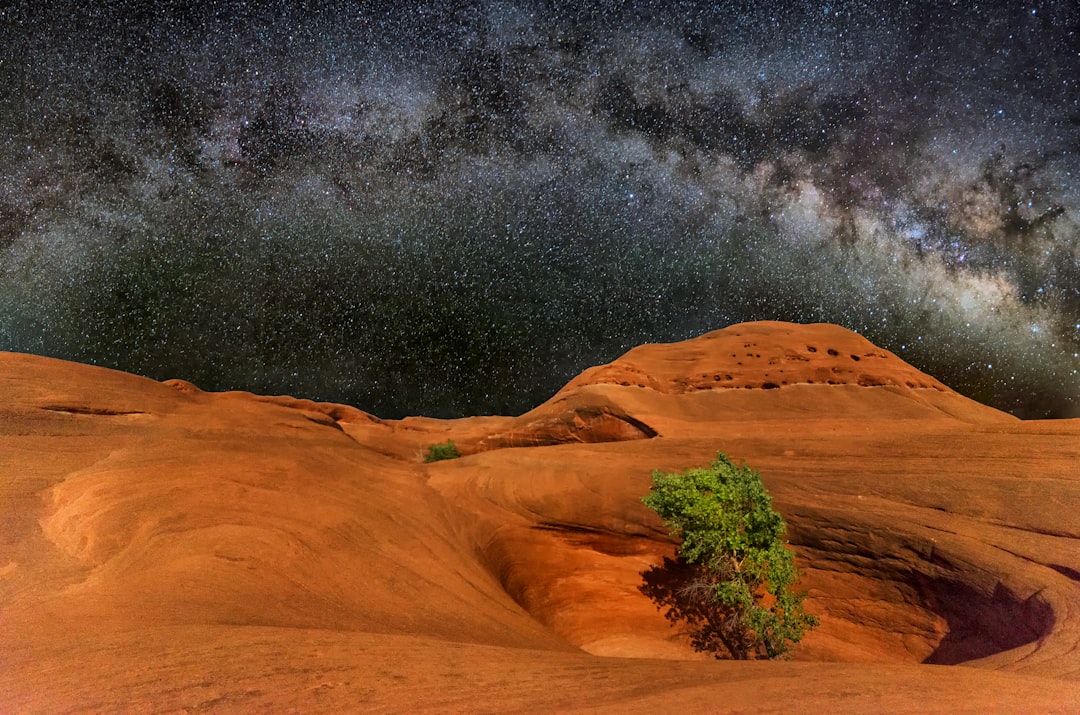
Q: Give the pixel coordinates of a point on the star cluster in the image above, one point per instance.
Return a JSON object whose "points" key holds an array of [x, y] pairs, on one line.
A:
{"points": [[452, 208]]}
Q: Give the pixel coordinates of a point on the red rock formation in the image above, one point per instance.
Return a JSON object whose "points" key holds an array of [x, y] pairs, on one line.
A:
{"points": [[762, 355], [166, 548]]}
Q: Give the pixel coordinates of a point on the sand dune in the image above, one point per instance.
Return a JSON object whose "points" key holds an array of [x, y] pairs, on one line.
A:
{"points": [[166, 549]]}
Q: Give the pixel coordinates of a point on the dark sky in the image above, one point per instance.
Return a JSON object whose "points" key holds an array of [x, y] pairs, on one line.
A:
{"points": [[453, 208]]}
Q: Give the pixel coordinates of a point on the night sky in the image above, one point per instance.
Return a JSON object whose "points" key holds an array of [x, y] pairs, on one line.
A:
{"points": [[453, 208]]}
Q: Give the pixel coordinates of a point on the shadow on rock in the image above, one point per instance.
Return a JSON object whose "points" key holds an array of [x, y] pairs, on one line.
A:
{"points": [[684, 592], [982, 624]]}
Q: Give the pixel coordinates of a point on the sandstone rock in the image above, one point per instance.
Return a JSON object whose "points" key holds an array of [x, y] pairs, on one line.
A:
{"points": [[164, 548]]}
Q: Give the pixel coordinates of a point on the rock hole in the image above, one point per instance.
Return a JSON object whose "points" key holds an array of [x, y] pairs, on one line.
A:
{"points": [[980, 618], [983, 624]]}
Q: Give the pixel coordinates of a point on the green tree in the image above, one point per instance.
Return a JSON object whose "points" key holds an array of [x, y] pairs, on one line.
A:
{"points": [[736, 570], [439, 452]]}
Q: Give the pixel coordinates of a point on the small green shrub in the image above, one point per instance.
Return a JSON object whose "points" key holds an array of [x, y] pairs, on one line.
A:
{"points": [[733, 585], [439, 452]]}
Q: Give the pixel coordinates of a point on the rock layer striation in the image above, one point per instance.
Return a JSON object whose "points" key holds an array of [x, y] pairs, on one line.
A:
{"points": [[165, 548]]}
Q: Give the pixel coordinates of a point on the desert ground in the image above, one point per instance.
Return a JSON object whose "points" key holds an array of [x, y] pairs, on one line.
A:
{"points": [[165, 549]]}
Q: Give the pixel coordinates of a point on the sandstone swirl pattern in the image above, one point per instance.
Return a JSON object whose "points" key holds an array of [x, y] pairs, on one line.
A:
{"points": [[163, 548]]}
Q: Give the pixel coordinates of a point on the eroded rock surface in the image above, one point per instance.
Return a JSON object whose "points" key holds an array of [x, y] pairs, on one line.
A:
{"points": [[163, 548]]}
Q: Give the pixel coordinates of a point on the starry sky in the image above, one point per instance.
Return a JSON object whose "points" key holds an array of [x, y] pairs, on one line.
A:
{"points": [[452, 208]]}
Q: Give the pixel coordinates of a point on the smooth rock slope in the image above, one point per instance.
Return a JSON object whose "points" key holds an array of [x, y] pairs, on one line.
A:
{"points": [[166, 549]]}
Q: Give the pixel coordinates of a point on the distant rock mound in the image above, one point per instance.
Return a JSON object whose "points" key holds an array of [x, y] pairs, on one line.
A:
{"points": [[611, 403], [762, 355]]}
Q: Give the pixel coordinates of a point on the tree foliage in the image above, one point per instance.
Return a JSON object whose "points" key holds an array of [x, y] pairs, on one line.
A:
{"points": [[441, 451], [737, 571]]}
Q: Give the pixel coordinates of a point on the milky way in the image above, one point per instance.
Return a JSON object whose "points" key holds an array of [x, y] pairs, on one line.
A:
{"points": [[452, 208]]}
